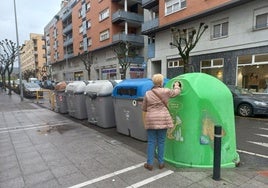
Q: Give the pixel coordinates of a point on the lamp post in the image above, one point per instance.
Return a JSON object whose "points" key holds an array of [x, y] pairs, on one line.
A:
{"points": [[66, 59], [18, 45]]}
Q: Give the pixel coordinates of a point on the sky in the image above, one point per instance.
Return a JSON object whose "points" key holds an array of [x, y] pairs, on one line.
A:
{"points": [[32, 17]]}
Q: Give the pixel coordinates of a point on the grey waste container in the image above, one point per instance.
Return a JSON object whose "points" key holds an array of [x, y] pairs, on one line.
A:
{"points": [[99, 103], [127, 98], [76, 99], [60, 95]]}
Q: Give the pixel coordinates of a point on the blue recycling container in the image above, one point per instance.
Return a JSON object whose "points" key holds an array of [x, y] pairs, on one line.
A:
{"points": [[127, 98]]}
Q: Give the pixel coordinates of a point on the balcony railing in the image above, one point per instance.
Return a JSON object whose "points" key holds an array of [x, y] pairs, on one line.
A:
{"points": [[150, 25], [148, 4], [66, 15], [137, 40], [67, 28], [118, 1], [129, 17], [67, 42], [68, 56]]}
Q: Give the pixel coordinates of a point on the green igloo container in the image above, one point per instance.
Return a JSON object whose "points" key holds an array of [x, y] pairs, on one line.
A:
{"points": [[204, 102]]}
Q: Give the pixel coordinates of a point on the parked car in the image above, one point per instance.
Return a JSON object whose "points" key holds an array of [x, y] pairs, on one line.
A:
{"points": [[247, 104], [16, 85], [48, 84], [30, 90]]}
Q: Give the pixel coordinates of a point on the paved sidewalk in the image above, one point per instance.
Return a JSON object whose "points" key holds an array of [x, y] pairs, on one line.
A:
{"points": [[41, 148]]}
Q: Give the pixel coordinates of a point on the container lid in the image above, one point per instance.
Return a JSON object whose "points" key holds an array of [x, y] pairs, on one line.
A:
{"points": [[101, 87], [61, 86], [76, 86], [132, 88]]}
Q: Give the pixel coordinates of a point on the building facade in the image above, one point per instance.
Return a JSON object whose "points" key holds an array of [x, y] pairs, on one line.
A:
{"points": [[33, 55], [94, 27], [234, 48]]}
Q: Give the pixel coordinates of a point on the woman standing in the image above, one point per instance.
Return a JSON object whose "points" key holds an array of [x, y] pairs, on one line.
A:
{"points": [[157, 118]]}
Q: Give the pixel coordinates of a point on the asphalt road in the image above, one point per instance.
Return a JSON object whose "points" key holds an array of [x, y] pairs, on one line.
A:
{"points": [[252, 141], [251, 138]]}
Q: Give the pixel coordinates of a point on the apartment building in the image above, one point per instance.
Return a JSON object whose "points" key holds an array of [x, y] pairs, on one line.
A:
{"points": [[96, 28], [234, 48], [32, 55]]}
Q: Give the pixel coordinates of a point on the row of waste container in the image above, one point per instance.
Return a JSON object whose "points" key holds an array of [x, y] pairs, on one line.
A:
{"points": [[106, 103], [204, 102]]}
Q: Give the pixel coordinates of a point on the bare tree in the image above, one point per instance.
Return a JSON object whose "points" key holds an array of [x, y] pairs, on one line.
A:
{"points": [[87, 58], [28, 74], [125, 54], [43, 72], [2, 72], [185, 42], [8, 54]]}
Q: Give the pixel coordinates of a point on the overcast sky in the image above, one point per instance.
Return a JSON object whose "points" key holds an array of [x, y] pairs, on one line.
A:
{"points": [[32, 17]]}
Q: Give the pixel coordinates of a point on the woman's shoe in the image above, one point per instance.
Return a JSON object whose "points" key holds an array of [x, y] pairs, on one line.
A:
{"points": [[148, 167], [161, 166]]}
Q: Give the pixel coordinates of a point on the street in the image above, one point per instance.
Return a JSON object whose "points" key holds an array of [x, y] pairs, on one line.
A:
{"points": [[252, 141], [251, 137], [42, 148]]}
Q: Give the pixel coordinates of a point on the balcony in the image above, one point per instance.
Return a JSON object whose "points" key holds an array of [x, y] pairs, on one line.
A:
{"points": [[149, 4], [133, 19], [149, 26], [68, 41], [67, 28], [66, 14], [137, 40], [130, 2], [68, 56]]}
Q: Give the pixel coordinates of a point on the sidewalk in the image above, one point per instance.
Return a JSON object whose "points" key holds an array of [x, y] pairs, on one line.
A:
{"points": [[40, 148]]}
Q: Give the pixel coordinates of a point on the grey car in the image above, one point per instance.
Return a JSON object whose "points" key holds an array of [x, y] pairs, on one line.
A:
{"points": [[248, 104], [30, 90]]}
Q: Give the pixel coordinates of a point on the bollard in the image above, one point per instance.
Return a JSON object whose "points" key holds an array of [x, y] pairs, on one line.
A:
{"points": [[217, 153]]}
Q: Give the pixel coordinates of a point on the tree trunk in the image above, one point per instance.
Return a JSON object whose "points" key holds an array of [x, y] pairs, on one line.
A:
{"points": [[186, 65], [9, 85]]}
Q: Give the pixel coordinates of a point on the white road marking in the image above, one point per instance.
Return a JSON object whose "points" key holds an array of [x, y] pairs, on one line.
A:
{"points": [[151, 179], [255, 154], [259, 143], [107, 176], [264, 129], [263, 135]]}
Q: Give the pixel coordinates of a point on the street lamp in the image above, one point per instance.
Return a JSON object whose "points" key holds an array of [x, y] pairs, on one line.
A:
{"points": [[66, 59], [18, 45]]}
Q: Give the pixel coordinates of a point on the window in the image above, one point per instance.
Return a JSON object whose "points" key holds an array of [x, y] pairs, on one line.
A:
{"points": [[213, 67], [81, 44], [252, 59], [104, 14], [104, 35], [81, 29], [262, 21], [261, 18], [220, 30], [89, 41], [87, 6], [175, 63], [174, 6], [88, 24]]}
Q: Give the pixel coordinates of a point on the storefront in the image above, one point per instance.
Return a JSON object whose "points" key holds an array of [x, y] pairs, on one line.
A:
{"points": [[108, 74], [252, 72]]}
